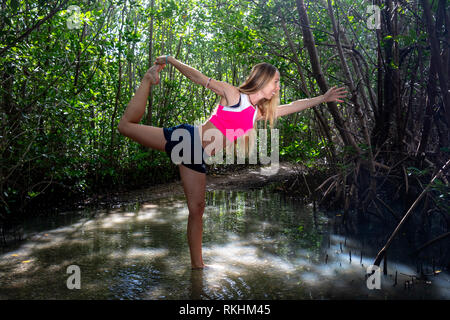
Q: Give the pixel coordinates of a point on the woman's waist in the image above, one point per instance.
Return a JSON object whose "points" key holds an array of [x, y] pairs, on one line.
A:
{"points": [[210, 134]]}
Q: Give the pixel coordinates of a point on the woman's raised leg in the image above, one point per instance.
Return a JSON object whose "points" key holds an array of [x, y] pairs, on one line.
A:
{"points": [[194, 185], [148, 136]]}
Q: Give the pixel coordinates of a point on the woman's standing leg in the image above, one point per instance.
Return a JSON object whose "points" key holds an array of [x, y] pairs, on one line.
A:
{"points": [[194, 185], [148, 136]]}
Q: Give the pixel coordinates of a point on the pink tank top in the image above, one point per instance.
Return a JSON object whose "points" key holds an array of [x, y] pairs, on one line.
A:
{"points": [[235, 121]]}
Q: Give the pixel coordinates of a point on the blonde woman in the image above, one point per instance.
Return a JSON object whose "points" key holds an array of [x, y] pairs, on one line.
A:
{"points": [[238, 110]]}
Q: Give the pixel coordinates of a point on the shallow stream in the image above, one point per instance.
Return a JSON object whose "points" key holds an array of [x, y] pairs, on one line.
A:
{"points": [[257, 244]]}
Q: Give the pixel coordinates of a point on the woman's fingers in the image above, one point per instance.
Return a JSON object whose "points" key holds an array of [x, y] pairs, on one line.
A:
{"points": [[341, 89], [341, 92], [337, 94]]}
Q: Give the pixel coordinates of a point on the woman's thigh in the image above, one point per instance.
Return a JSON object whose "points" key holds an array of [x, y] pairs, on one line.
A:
{"points": [[148, 136]]}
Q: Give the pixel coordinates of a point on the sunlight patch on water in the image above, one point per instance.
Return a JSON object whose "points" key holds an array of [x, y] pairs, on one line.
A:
{"points": [[239, 255], [146, 253]]}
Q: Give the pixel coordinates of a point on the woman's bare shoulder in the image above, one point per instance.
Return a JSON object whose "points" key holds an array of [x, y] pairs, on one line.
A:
{"points": [[230, 94]]}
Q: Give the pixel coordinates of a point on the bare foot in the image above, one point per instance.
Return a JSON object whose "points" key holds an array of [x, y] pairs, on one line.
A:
{"points": [[152, 73]]}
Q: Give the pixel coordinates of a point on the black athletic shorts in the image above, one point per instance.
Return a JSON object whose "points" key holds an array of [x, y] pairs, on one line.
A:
{"points": [[175, 138]]}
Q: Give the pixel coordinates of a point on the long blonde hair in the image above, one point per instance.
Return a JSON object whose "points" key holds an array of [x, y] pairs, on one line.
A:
{"points": [[260, 75], [258, 78]]}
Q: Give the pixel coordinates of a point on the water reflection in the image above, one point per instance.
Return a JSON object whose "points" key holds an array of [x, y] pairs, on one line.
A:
{"points": [[257, 245]]}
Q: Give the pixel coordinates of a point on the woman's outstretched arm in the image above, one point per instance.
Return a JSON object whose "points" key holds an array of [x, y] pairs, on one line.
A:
{"points": [[333, 94], [192, 74], [219, 87]]}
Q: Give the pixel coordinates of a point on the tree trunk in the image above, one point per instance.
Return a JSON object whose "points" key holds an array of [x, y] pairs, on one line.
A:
{"points": [[148, 119], [119, 88], [359, 113], [435, 56], [322, 122], [430, 101], [168, 90], [386, 90], [399, 112], [318, 75], [78, 62]]}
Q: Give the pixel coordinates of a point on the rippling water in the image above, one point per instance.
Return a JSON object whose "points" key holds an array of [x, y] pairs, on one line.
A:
{"points": [[257, 245]]}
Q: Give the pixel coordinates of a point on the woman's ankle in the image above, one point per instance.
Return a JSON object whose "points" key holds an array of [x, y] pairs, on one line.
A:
{"points": [[152, 74], [198, 267]]}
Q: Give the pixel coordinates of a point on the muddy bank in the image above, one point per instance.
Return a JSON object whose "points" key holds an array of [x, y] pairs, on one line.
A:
{"points": [[243, 179]]}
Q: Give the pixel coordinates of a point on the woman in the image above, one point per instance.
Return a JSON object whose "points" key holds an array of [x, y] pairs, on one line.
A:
{"points": [[239, 108]]}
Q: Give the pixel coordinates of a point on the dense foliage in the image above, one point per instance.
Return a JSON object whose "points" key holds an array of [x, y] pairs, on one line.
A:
{"points": [[67, 74]]}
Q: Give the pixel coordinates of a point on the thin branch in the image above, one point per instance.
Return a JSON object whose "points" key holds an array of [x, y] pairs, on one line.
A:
{"points": [[442, 236]]}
